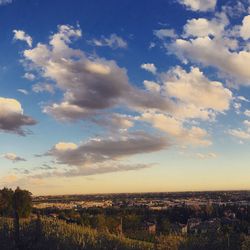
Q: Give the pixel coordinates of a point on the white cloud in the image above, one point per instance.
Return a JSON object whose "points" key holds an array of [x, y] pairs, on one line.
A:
{"points": [[65, 111], [237, 107], [22, 36], [104, 149], [211, 52], [104, 155], [245, 28], [199, 5], [247, 112], [113, 41], [203, 27], [12, 118], [247, 123], [13, 157], [43, 87], [174, 128], [241, 134], [29, 76], [23, 91], [214, 42], [196, 91], [242, 98], [165, 33], [152, 86], [150, 67], [90, 84], [93, 86], [193, 87]]}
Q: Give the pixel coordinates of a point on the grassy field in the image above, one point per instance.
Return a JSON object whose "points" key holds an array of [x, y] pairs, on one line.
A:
{"points": [[52, 234]]}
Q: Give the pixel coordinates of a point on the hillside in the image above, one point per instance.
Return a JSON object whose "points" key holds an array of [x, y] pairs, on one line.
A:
{"points": [[53, 234]]}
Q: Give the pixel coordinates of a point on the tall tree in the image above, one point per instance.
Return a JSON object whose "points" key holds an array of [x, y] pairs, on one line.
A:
{"points": [[6, 202], [22, 205]]}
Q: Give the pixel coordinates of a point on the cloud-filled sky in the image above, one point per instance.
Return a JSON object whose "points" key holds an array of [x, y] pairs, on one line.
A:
{"points": [[111, 96]]}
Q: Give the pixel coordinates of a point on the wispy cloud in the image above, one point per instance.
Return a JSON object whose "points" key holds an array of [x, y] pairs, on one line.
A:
{"points": [[13, 157], [113, 41], [22, 36]]}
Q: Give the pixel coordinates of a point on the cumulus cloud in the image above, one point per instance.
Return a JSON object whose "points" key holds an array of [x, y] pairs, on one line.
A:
{"points": [[193, 94], [195, 88], [115, 121], [113, 41], [245, 28], [66, 111], [90, 84], [105, 149], [22, 36], [94, 88], [199, 5], [214, 42], [12, 118], [13, 157], [195, 97], [165, 33], [202, 27], [174, 128], [150, 67], [104, 155]]}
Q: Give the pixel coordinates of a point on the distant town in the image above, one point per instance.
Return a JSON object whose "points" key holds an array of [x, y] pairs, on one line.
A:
{"points": [[148, 214]]}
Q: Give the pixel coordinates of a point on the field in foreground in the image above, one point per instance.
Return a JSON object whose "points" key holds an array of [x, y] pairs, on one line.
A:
{"points": [[52, 234]]}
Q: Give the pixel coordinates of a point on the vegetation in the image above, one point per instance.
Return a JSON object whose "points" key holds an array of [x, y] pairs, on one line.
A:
{"points": [[52, 234], [18, 204], [25, 228]]}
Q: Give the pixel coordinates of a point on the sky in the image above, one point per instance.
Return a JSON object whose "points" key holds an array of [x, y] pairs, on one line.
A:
{"points": [[124, 96]]}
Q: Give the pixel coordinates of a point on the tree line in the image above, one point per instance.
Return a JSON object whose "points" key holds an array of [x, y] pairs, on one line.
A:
{"points": [[15, 204]]}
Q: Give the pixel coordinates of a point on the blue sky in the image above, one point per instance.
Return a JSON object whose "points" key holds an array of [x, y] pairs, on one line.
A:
{"points": [[124, 96]]}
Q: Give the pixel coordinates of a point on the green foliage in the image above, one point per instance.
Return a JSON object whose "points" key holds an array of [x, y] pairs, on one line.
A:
{"points": [[51, 234], [18, 201], [6, 201], [22, 202]]}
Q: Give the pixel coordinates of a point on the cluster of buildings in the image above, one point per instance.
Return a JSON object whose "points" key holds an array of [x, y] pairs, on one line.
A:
{"points": [[197, 226], [73, 204]]}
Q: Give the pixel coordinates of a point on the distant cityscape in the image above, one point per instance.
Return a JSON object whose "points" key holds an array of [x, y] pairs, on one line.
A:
{"points": [[199, 212]]}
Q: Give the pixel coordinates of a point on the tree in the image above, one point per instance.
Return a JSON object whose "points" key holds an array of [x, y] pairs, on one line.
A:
{"points": [[22, 205], [6, 202], [22, 202]]}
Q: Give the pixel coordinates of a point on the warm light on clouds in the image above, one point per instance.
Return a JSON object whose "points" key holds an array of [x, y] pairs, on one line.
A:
{"points": [[12, 118], [199, 5], [132, 97]]}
